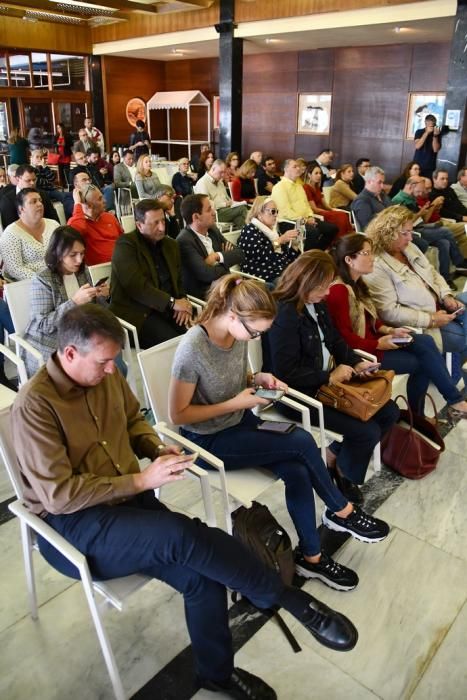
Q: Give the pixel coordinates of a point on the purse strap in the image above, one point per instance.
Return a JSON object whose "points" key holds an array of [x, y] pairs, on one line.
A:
{"points": [[409, 410]]}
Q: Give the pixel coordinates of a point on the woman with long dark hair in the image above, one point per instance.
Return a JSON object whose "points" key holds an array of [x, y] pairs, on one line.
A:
{"points": [[355, 317], [64, 143], [305, 348], [212, 395]]}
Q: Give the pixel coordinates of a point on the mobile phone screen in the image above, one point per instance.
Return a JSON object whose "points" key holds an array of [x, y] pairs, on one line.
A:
{"points": [[274, 426], [271, 394]]}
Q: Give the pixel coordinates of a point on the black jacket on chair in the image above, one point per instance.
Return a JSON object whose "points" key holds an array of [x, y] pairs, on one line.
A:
{"points": [[292, 347], [197, 276]]}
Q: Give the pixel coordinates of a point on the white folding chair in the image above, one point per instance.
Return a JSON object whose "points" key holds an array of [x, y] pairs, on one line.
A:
{"points": [[354, 220], [58, 206], [17, 295], [232, 236], [113, 592], [244, 485], [97, 272]]}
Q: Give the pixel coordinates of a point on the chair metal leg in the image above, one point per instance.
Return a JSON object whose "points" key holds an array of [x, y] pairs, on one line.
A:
{"points": [[107, 652], [377, 458], [27, 544]]}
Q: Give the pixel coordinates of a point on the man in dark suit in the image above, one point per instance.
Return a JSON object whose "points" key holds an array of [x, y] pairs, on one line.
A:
{"points": [[25, 177], [146, 282], [206, 254]]}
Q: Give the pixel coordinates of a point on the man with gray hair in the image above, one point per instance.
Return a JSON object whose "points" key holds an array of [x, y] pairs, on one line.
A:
{"points": [[13, 180], [460, 187], [372, 199], [212, 185], [167, 196], [78, 434]]}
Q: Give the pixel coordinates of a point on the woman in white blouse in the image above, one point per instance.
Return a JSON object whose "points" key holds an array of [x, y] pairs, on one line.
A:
{"points": [[24, 242], [145, 180], [64, 283]]}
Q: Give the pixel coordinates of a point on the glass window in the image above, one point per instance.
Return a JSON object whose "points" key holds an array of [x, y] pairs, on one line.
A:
{"points": [[67, 72], [20, 71], [72, 114], [3, 70], [3, 122], [40, 77]]}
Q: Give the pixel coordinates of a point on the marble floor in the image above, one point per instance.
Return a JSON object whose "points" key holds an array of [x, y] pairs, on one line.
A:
{"points": [[410, 609]]}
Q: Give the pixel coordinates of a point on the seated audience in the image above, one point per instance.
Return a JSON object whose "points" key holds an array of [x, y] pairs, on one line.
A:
{"points": [[146, 281], [98, 172], [305, 348], [324, 160], [18, 146], [166, 195], [206, 159], [195, 157], [435, 235], [372, 199], [267, 253], [354, 314], [124, 173], [408, 291], [24, 242], [232, 163], [111, 163], [183, 180], [140, 142], [11, 180], [361, 167], [212, 185], [46, 178], [25, 178], [94, 495], [412, 169], [80, 181], [460, 187], [206, 255], [242, 185], [63, 284], [452, 207], [3, 179], [64, 146], [257, 158], [293, 205], [84, 143], [99, 228], [94, 134], [145, 180], [267, 176], [341, 193], [422, 193], [312, 187], [211, 397]]}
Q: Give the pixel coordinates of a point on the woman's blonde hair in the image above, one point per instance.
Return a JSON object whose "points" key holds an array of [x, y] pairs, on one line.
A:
{"points": [[342, 169], [257, 207], [384, 229], [249, 299], [139, 164], [312, 269], [246, 168]]}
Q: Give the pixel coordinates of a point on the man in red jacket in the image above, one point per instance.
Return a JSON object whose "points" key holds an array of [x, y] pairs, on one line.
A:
{"points": [[99, 228]]}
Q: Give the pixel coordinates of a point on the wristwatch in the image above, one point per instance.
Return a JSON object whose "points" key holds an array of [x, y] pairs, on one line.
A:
{"points": [[171, 304]]}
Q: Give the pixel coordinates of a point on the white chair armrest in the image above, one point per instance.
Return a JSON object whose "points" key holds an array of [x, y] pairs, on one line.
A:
{"points": [[48, 533], [20, 342], [248, 276], [23, 377], [131, 329], [366, 355], [198, 303]]}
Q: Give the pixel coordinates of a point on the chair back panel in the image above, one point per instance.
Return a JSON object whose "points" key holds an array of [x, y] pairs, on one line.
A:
{"points": [[17, 297], [156, 368], [255, 355], [99, 271], [7, 452], [232, 236]]}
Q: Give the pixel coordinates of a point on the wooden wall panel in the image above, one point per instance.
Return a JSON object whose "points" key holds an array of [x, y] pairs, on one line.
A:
{"points": [[265, 9], [198, 74], [124, 78], [45, 36], [430, 67], [315, 70]]}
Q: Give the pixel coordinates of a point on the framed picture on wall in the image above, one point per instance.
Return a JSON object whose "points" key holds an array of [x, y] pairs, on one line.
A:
{"points": [[216, 104], [420, 105], [314, 113]]}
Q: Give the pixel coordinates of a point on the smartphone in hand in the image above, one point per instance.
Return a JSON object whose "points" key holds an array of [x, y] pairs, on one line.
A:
{"points": [[270, 394]]}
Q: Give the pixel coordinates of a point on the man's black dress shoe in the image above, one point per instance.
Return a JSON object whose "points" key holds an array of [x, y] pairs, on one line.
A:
{"points": [[242, 686], [329, 627]]}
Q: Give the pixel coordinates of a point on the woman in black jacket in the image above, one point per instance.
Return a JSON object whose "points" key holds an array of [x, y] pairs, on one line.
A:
{"points": [[304, 348]]}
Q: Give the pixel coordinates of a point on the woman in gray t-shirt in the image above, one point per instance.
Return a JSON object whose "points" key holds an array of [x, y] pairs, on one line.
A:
{"points": [[211, 397]]}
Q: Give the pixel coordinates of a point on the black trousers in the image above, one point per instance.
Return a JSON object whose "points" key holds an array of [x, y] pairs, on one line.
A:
{"points": [[157, 328]]}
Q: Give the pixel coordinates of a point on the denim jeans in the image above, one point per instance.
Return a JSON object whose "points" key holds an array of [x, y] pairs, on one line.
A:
{"points": [[443, 239], [454, 335], [293, 457], [141, 535], [423, 362]]}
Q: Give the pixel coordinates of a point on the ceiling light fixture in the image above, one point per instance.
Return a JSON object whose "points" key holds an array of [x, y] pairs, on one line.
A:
{"points": [[74, 3]]}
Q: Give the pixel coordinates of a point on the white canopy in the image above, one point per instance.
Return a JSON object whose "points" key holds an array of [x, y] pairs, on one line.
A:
{"points": [[180, 99]]}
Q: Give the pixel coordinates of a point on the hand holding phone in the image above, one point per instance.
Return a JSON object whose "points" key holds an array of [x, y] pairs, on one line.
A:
{"points": [[100, 282], [459, 310], [402, 340], [270, 394], [371, 368]]}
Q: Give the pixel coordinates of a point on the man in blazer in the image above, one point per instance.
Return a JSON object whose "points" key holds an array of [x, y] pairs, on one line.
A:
{"points": [[146, 285], [206, 254]]}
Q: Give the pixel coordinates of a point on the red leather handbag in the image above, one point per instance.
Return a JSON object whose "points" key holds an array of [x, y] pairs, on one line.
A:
{"points": [[413, 445]]}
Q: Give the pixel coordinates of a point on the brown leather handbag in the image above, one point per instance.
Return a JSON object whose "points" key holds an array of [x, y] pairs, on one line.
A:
{"points": [[361, 397]]}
